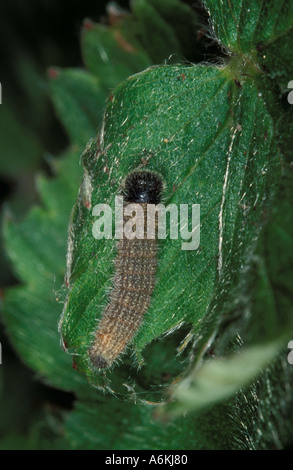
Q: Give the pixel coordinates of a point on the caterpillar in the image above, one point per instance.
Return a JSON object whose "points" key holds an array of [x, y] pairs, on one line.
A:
{"points": [[135, 275]]}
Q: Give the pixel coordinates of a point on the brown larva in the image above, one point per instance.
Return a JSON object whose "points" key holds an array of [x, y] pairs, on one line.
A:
{"points": [[135, 276]]}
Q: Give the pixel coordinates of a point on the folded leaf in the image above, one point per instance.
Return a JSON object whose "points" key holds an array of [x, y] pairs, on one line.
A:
{"points": [[210, 151]]}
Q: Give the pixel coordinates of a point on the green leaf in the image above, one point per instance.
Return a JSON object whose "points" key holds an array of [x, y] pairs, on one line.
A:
{"points": [[273, 277], [19, 148], [112, 53], [206, 139], [79, 100], [122, 425], [260, 30], [262, 321], [240, 26], [265, 410], [23, 398], [37, 248], [183, 20], [156, 35], [276, 58], [221, 378]]}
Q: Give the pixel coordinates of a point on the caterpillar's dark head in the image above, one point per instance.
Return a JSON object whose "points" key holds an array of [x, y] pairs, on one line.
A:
{"points": [[143, 186]]}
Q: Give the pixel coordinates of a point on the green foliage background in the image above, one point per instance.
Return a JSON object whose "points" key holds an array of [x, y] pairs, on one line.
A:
{"points": [[212, 116]]}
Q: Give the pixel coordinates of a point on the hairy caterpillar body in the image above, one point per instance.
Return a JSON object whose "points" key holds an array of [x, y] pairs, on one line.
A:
{"points": [[135, 276]]}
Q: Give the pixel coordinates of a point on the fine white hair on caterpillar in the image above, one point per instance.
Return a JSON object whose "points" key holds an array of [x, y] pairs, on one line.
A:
{"points": [[135, 275]]}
